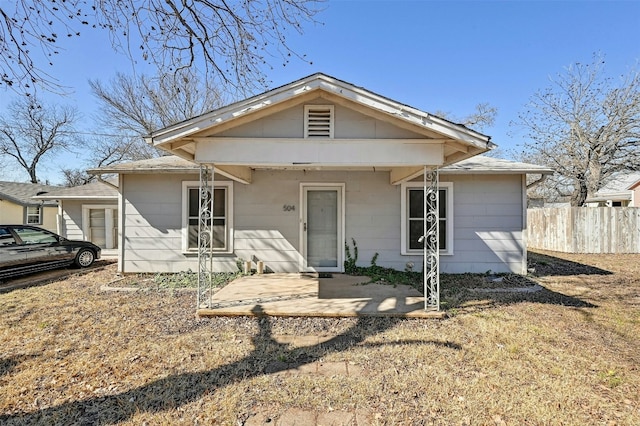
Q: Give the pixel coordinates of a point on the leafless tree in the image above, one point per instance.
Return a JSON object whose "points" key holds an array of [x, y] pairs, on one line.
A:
{"points": [[586, 126], [133, 107], [32, 130], [484, 116], [230, 41]]}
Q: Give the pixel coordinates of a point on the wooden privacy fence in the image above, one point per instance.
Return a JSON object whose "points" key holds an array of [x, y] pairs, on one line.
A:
{"points": [[584, 229]]}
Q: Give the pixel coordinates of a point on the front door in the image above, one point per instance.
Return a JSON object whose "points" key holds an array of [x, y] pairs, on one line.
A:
{"points": [[322, 227]]}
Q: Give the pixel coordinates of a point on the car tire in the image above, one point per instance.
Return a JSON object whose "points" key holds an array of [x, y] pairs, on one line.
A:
{"points": [[84, 258]]}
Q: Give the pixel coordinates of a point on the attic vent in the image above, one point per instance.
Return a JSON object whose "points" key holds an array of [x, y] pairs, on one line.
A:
{"points": [[318, 121]]}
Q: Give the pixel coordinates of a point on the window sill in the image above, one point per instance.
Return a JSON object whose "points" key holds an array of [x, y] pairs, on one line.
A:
{"points": [[420, 253], [194, 253]]}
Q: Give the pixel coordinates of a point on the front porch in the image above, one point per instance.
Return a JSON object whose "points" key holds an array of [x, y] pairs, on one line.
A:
{"points": [[308, 295]]}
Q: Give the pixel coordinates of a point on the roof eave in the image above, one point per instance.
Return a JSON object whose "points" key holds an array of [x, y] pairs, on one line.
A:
{"points": [[330, 85]]}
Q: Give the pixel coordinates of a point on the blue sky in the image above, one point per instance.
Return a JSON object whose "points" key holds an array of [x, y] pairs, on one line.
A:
{"points": [[432, 55]]}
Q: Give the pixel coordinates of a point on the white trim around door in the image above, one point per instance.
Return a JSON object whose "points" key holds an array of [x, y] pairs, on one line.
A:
{"points": [[322, 226]]}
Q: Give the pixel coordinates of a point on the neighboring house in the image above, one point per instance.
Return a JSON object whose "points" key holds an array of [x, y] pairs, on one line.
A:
{"points": [[307, 168], [17, 205], [623, 191], [88, 212]]}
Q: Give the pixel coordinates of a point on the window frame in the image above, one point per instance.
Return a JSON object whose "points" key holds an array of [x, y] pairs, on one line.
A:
{"points": [[228, 187], [404, 215], [27, 215]]}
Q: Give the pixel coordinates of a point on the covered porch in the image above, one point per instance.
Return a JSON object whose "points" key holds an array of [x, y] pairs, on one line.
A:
{"points": [[318, 124]]}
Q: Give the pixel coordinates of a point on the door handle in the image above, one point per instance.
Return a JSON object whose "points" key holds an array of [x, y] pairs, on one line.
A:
{"points": [[305, 227]]}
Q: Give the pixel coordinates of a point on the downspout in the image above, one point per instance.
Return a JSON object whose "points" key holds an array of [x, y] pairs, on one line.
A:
{"points": [[99, 178], [537, 182]]}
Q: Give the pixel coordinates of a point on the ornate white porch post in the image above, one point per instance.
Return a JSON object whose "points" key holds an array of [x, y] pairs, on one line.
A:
{"points": [[431, 240], [205, 236]]}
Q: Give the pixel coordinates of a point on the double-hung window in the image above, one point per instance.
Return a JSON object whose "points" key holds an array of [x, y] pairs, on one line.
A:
{"points": [[412, 211], [220, 221], [34, 215]]}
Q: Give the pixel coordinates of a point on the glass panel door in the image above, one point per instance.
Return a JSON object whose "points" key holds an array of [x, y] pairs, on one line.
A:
{"points": [[322, 225]]}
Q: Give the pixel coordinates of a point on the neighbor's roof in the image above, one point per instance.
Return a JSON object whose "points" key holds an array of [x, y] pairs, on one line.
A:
{"points": [[619, 188], [90, 191], [622, 182], [326, 83], [21, 193], [481, 164]]}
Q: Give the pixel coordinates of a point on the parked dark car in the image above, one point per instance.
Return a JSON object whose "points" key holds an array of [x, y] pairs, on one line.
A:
{"points": [[25, 249]]}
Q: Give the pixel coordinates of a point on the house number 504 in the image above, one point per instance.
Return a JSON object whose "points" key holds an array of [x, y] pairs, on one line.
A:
{"points": [[288, 208]]}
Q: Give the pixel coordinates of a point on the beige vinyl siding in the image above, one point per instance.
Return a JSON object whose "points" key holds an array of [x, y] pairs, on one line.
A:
{"points": [[11, 213], [49, 218]]}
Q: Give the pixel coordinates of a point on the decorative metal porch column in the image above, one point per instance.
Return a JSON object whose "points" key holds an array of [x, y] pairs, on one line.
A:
{"points": [[205, 237], [431, 239]]}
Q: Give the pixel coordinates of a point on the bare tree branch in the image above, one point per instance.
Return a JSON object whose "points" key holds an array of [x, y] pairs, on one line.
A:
{"points": [[32, 130], [230, 41], [586, 126]]}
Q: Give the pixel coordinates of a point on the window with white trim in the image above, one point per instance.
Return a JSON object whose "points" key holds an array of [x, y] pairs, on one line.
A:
{"points": [[222, 216], [318, 121], [34, 215], [412, 206]]}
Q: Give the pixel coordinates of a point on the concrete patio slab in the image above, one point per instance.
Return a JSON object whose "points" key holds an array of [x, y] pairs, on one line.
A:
{"points": [[307, 295]]}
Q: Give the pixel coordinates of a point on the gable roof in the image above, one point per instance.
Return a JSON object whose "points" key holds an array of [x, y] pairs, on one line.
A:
{"points": [[22, 193], [90, 191], [172, 138]]}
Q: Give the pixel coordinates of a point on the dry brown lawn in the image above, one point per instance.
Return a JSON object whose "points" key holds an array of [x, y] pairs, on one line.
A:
{"points": [[569, 354]]}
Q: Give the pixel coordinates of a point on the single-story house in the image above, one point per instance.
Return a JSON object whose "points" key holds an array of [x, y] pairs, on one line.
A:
{"points": [[305, 169], [88, 212], [17, 205], [623, 191]]}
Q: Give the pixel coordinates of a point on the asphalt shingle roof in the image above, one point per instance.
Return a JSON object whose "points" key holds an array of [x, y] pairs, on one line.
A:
{"points": [[22, 193]]}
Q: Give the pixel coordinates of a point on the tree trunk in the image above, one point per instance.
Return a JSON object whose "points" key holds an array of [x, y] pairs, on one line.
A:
{"points": [[580, 194]]}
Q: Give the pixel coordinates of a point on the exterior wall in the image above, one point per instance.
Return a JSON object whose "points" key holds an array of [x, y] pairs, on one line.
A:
{"points": [[635, 197], [72, 217], [349, 124], [487, 219], [49, 218], [488, 224], [11, 213]]}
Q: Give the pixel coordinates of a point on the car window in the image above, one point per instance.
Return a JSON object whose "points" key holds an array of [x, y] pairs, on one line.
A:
{"points": [[35, 236], [6, 238]]}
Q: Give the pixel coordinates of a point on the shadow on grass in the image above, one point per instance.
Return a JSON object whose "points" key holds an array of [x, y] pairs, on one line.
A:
{"points": [[8, 364], [546, 265], [177, 390], [457, 294]]}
